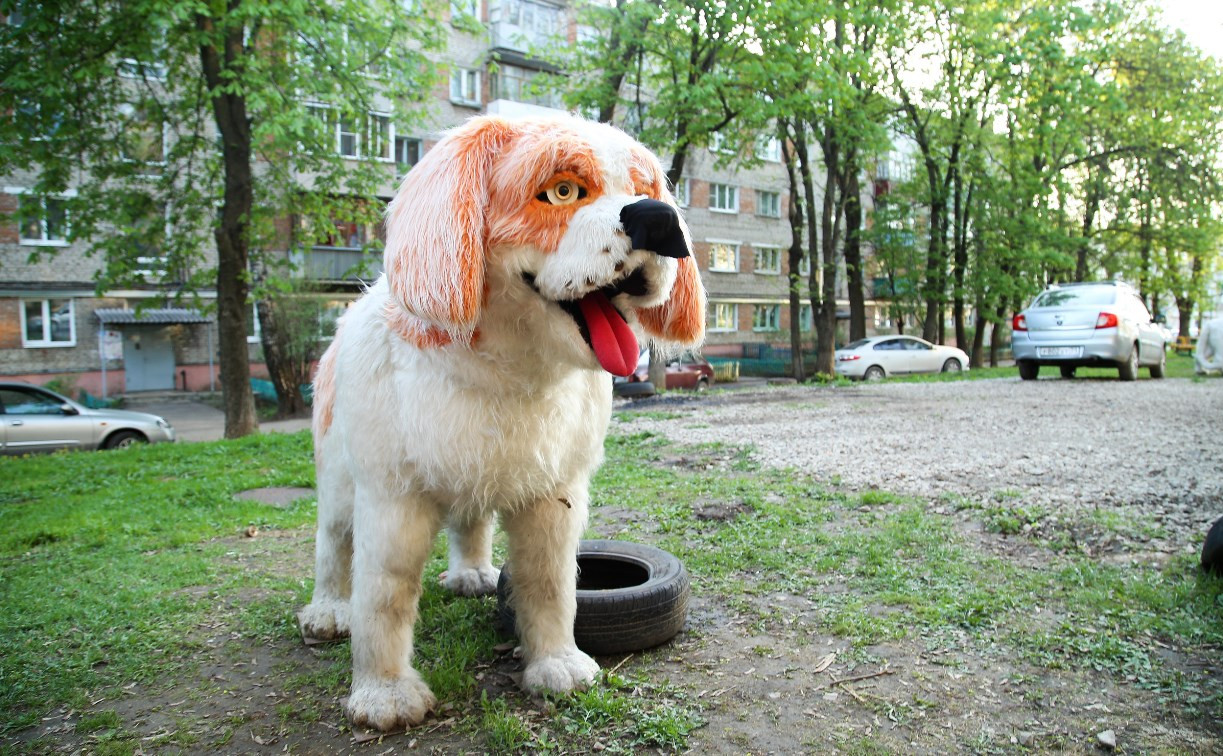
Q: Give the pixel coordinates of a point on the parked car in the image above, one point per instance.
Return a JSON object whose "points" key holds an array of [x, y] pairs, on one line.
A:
{"points": [[34, 419], [877, 357], [1088, 324], [688, 371]]}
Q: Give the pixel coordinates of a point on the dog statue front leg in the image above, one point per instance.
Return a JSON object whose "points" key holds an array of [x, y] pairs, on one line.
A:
{"points": [[543, 543], [392, 538]]}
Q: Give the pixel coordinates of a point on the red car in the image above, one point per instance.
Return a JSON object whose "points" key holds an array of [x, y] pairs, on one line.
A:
{"points": [[690, 371]]}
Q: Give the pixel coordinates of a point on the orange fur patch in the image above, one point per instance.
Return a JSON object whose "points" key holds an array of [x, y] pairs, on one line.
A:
{"points": [[681, 318], [324, 392]]}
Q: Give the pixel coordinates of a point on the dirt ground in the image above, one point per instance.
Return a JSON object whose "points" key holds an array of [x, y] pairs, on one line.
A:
{"points": [[780, 686]]}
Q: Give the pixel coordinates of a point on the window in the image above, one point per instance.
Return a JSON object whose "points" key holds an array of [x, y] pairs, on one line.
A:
{"points": [[769, 148], [369, 136], [805, 322], [459, 8], [345, 234], [804, 266], [465, 87], [768, 260], [524, 21], [766, 317], [724, 198], [723, 316], [407, 152], [724, 256], [43, 221], [48, 323], [147, 230], [143, 140], [768, 204], [683, 192], [20, 401], [518, 84], [718, 143]]}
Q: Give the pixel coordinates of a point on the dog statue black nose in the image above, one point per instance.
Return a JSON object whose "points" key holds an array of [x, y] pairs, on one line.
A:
{"points": [[654, 225]]}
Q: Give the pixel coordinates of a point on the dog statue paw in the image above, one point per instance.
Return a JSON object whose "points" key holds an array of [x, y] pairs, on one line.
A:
{"points": [[471, 581], [566, 671], [390, 704], [324, 620]]}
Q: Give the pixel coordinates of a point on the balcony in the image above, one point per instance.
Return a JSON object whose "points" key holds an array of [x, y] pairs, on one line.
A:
{"points": [[339, 264], [524, 26]]}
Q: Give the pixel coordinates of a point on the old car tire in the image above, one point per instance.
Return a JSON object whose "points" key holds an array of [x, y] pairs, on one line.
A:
{"points": [[1158, 369], [951, 366], [123, 439], [1212, 548], [1028, 370], [1068, 371], [1128, 370], [874, 373], [630, 596]]}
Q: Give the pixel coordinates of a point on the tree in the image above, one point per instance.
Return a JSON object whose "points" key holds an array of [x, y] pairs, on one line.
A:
{"points": [[222, 117], [672, 71]]}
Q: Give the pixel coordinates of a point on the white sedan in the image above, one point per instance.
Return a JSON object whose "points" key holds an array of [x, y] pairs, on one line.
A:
{"points": [[880, 356]]}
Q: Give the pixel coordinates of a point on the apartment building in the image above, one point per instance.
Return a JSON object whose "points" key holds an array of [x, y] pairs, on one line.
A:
{"points": [[54, 325]]}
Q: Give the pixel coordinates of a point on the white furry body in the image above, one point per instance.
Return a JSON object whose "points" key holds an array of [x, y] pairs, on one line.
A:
{"points": [[459, 391]]}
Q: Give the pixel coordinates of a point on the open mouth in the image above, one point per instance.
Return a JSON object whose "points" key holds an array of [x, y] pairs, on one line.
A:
{"points": [[602, 326]]}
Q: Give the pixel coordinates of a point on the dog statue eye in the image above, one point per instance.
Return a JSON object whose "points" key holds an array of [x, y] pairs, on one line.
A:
{"points": [[562, 193]]}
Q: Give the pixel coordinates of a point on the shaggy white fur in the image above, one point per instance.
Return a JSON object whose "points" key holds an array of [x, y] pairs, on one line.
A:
{"points": [[426, 419]]}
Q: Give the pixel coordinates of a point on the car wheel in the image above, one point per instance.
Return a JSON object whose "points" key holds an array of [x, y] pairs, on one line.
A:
{"points": [[951, 366], [630, 596], [1028, 370], [1068, 371], [874, 373], [123, 439], [702, 384], [1128, 370], [1158, 369]]}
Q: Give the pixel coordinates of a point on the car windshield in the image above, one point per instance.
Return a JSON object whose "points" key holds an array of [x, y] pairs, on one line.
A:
{"points": [[1082, 295], [856, 344]]}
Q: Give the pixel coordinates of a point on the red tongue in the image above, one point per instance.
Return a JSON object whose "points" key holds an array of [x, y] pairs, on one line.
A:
{"points": [[613, 341]]}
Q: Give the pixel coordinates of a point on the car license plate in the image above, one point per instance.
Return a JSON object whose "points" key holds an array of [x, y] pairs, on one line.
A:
{"points": [[1059, 351]]}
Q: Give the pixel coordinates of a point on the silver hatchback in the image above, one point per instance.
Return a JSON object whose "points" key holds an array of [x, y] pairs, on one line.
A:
{"points": [[1088, 324], [34, 419]]}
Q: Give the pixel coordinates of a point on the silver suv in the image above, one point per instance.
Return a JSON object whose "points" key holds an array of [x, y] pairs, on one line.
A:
{"points": [[1088, 324]]}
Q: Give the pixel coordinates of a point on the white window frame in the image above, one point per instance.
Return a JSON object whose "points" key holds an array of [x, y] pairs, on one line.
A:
{"points": [[157, 268], [805, 321], [774, 310], [420, 150], [717, 143], [683, 192], [256, 335], [366, 139], [769, 149], [804, 266], [46, 324], [42, 241], [716, 309], [760, 194], [464, 8], [465, 87], [733, 245], [768, 249], [717, 203]]}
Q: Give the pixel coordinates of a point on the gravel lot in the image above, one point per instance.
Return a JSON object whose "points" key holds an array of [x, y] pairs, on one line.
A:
{"points": [[1149, 451]]}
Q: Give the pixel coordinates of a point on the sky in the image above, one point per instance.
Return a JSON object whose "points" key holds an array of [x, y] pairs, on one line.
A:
{"points": [[1201, 20]]}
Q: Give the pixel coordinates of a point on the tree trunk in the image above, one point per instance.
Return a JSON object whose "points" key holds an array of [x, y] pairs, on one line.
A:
{"points": [[853, 253], [963, 207], [976, 357], [795, 260], [814, 290], [229, 110], [285, 372]]}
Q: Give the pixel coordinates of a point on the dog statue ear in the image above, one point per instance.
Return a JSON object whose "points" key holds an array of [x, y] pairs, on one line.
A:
{"points": [[681, 319], [436, 229]]}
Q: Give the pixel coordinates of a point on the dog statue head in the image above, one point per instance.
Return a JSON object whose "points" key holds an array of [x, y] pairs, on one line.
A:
{"points": [[568, 217]]}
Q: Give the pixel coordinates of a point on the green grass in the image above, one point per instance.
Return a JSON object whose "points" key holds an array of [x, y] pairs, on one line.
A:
{"points": [[111, 562]]}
